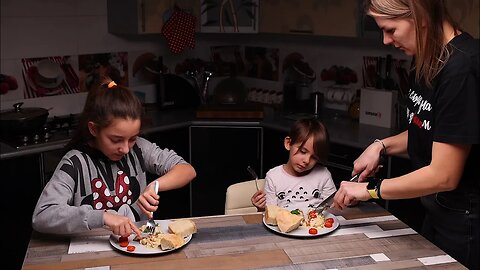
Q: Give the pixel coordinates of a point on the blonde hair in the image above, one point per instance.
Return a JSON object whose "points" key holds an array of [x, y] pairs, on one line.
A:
{"points": [[431, 52]]}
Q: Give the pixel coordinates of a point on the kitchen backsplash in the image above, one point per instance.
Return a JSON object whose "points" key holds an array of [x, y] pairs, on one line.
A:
{"points": [[33, 29]]}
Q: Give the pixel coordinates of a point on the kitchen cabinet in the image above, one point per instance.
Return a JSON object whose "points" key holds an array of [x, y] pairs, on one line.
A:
{"points": [[233, 16], [274, 153], [466, 13], [145, 16], [20, 180], [410, 211], [340, 161], [48, 162], [173, 203], [321, 17], [221, 155]]}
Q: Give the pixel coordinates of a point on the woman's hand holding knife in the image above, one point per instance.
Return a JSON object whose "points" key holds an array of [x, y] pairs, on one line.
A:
{"points": [[367, 164], [350, 192]]}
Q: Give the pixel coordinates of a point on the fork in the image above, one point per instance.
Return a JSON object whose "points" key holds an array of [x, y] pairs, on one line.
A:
{"points": [[254, 174], [151, 225]]}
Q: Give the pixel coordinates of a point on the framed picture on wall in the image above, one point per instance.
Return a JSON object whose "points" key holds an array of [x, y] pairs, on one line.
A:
{"points": [[262, 63], [49, 76], [229, 16]]}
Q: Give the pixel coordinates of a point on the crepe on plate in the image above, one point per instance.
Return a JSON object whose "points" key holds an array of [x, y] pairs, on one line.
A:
{"points": [[182, 227], [178, 229], [282, 218]]}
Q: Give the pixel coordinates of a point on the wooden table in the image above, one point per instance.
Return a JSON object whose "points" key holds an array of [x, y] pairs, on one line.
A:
{"points": [[368, 238]]}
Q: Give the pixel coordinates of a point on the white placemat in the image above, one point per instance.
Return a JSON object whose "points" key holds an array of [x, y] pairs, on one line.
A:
{"points": [[89, 244]]}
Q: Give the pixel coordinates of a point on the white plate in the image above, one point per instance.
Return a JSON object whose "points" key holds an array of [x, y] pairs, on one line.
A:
{"points": [[51, 85], [303, 231], [141, 249]]}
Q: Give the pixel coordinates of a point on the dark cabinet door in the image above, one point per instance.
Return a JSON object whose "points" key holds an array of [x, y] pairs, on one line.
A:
{"points": [[340, 161], [173, 203], [220, 155], [410, 211], [21, 179], [274, 152]]}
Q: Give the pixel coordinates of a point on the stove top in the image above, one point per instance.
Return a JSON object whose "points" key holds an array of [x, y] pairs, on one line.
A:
{"points": [[56, 129]]}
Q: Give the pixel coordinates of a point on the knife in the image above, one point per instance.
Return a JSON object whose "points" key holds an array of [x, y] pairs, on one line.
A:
{"points": [[328, 201]]}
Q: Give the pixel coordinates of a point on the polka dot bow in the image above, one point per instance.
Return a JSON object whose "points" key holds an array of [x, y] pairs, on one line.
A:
{"points": [[103, 199]]}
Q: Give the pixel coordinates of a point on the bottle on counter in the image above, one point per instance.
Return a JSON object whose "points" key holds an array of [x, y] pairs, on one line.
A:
{"points": [[354, 107]]}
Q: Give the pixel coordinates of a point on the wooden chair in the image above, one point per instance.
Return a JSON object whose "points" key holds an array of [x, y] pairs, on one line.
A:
{"points": [[237, 200]]}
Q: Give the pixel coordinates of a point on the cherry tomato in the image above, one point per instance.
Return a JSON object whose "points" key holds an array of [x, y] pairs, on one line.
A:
{"points": [[329, 220], [123, 239], [312, 214], [328, 225], [312, 231], [131, 248], [124, 243]]}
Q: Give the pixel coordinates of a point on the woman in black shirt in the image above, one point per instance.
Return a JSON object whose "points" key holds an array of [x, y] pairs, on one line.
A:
{"points": [[443, 135]]}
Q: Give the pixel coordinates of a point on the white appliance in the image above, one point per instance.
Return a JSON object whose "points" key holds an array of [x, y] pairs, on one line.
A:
{"points": [[377, 107]]}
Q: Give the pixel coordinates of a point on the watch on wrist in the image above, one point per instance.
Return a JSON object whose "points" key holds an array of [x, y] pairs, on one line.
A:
{"points": [[377, 188], [373, 188]]}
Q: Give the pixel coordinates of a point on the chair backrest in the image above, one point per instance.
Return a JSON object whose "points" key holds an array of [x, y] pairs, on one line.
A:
{"points": [[238, 197]]}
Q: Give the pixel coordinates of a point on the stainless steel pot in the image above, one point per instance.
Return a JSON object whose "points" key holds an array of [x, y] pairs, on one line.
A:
{"points": [[230, 91], [22, 120]]}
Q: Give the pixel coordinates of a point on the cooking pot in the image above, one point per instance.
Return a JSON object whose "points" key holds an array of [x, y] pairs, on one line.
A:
{"points": [[230, 91], [174, 91], [22, 120]]}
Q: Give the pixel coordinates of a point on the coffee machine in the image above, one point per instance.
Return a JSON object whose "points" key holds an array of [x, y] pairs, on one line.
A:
{"points": [[298, 95]]}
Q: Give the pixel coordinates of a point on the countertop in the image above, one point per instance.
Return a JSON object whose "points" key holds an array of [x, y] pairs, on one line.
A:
{"points": [[342, 129], [368, 237]]}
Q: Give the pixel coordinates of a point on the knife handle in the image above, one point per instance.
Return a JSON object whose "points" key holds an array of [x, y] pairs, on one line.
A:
{"points": [[354, 178]]}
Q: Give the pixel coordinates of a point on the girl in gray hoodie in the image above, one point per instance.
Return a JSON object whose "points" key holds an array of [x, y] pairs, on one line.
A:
{"points": [[101, 180]]}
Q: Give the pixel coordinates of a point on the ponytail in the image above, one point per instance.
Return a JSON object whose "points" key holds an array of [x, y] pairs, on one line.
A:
{"points": [[105, 102]]}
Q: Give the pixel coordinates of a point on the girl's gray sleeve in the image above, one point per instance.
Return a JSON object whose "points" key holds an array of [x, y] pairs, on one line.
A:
{"points": [[157, 160], [55, 211]]}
